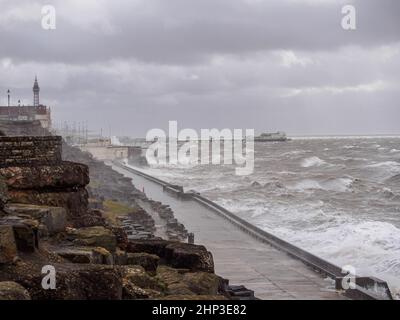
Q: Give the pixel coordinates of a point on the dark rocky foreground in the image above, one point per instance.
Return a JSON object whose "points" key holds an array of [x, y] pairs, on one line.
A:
{"points": [[81, 218]]}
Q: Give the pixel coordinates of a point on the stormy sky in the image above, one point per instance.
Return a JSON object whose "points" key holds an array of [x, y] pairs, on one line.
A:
{"points": [[132, 65]]}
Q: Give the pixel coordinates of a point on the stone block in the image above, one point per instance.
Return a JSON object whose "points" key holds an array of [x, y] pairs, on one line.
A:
{"points": [[94, 236], [54, 218], [8, 246], [84, 255], [175, 254]]}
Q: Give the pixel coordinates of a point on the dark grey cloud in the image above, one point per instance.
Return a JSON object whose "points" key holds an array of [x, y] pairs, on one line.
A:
{"points": [[278, 64], [181, 31]]}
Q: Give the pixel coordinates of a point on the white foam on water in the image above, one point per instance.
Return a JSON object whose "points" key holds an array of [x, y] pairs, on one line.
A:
{"points": [[387, 168], [339, 185], [312, 162], [306, 184], [372, 247], [293, 202]]}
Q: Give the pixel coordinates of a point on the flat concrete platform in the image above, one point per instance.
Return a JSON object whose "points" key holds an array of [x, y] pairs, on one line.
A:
{"points": [[271, 273]]}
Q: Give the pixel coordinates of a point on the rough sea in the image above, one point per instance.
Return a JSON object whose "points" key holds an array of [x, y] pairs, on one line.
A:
{"points": [[338, 198]]}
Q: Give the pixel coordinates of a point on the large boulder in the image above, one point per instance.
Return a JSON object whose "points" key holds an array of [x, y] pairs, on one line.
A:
{"points": [[8, 246], [175, 254], [13, 291], [93, 236]]}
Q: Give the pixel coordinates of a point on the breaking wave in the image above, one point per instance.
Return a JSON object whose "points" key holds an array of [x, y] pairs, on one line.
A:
{"points": [[337, 185], [373, 247], [387, 168], [312, 162]]}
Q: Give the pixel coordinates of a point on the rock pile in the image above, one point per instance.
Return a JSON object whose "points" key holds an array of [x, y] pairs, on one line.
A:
{"points": [[175, 230]]}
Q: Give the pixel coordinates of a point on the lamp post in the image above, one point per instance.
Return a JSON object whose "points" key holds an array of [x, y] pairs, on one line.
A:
{"points": [[9, 111]]}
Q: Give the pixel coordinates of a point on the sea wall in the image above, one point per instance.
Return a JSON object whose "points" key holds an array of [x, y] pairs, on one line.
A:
{"points": [[30, 151], [104, 153]]}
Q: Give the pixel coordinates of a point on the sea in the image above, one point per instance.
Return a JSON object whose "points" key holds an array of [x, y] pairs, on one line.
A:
{"points": [[336, 197]]}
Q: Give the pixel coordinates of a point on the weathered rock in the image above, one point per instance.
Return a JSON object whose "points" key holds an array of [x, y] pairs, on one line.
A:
{"points": [[132, 292], [138, 285], [120, 257], [148, 261], [26, 236], [202, 283], [94, 236], [73, 281], [64, 175], [138, 277], [103, 254], [182, 282], [54, 218], [84, 255], [3, 193], [75, 200], [193, 257], [122, 238], [90, 218], [175, 254], [30, 151], [8, 246], [25, 232], [13, 291]]}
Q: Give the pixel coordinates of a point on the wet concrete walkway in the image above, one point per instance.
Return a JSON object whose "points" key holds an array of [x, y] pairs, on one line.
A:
{"points": [[272, 274]]}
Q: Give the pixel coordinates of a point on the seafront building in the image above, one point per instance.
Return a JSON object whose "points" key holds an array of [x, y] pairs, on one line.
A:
{"points": [[19, 112]]}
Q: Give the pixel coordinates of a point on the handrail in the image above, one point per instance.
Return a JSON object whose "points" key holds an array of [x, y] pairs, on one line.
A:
{"points": [[366, 287]]}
